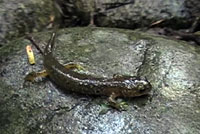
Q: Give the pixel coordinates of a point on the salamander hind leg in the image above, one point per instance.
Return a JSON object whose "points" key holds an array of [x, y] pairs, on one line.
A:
{"points": [[121, 106], [33, 75]]}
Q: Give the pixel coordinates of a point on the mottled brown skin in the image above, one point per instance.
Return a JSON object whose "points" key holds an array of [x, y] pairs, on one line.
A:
{"points": [[67, 79]]}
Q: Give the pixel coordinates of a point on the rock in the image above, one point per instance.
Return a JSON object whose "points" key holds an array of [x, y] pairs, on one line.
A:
{"points": [[130, 13], [23, 16], [172, 67]]}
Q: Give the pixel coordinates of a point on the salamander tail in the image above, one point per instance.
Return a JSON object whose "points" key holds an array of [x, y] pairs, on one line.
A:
{"points": [[49, 47], [30, 38]]}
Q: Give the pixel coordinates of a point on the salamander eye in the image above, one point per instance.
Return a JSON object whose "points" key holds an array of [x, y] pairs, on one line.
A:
{"points": [[142, 90]]}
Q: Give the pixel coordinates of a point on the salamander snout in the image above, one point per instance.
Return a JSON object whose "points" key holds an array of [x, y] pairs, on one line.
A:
{"points": [[143, 86]]}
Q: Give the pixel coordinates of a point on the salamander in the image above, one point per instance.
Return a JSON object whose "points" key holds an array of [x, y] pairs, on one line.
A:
{"points": [[67, 79]]}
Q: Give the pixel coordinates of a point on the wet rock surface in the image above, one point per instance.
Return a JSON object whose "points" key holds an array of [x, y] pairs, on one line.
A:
{"points": [[172, 67], [22, 16]]}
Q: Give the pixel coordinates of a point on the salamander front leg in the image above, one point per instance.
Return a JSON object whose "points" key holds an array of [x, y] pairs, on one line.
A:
{"points": [[73, 66], [121, 106], [33, 75]]}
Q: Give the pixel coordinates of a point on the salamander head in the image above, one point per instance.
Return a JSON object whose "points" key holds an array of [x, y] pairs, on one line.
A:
{"points": [[136, 87]]}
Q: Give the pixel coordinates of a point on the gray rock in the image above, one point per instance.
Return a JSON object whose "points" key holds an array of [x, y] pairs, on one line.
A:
{"points": [[172, 67], [22, 16]]}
